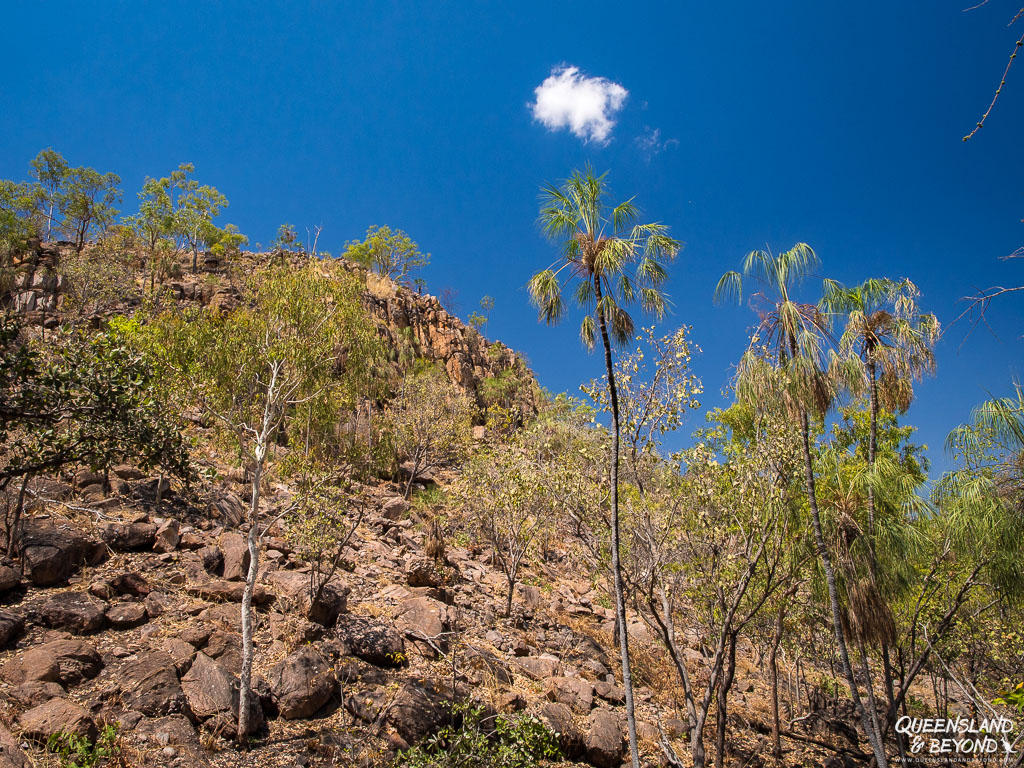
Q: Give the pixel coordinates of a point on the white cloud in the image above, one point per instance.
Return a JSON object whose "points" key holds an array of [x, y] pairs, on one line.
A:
{"points": [[584, 105], [650, 142]]}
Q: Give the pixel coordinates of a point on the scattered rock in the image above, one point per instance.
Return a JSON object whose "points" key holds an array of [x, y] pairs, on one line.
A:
{"points": [[228, 591], [614, 694], [150, 685], [301, 684], [35, 693], [76, 612], [227, 509], [207, 687], [424, 572], [236, 556], [57, 716], [394, 508], [11, 755], [128, 536], [11, 626], [212, 559], [418, 711], [126, 615], [558, 717], [423, 617], [604, 742], [377, 643], [50, 554], [76, 659], [574, 692], [9, 578], [539, 667], [167, 536]]}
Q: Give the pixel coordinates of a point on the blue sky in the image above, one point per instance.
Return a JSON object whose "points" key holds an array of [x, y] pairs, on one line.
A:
{"points": [[834, 124]]}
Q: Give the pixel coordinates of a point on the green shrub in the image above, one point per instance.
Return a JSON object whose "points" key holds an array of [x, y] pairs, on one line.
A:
{"points": [[78, 752], [500, 741]]}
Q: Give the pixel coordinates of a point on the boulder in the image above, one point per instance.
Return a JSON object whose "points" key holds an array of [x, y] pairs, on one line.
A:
{"points": [[31, 666], [128, 536], [11, 755], [236, 556], [76, 659], [613, 694], [167, 536], [574, 692], [227, 509], [539, 667], [424, 572], [604, 742], [126, 615], [377, 643], [11, 626], [57, 716], [419, 710], [51, 554], [301, 684], [293, 591], [558, 717], [9, 578], [75, 612], [208, 688], [34, 693], [212, 559], [131, 583], [176, 733], [422, 617], [394, 508], [150, 685]]}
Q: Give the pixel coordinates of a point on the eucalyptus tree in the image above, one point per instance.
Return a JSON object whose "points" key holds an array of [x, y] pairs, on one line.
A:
{"points": [[794, 337], [615, 263]]}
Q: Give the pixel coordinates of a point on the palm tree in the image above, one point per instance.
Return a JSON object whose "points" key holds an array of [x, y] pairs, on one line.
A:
{"points": [[891, 344], [614, 263], [794, 336]]}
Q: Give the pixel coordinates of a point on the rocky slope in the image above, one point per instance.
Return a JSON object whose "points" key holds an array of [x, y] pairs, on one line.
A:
{"points": [[123, 609]]}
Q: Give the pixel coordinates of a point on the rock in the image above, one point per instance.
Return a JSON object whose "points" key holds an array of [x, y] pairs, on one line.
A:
{"points": [[76, 612], [394, 508], [128, 536], [294, 595], [574, 692], [614, 694], [31, 666], [34, 693], [604, 742], [226, 647], [57, 716], [167, 536], [181, 652], [76, 659], [423, 617], [558, 718], [196, 635], [50, 554], [418, 711], [228, 591], [377, 643], [11, 626], [424, 572], [539, 667], [9, 578], [227, 509], [150, 685], [11, 755], [126, 615], [236, 556], [301, 684], [207, 687], [128, 472], [484, 666], [157, 604], [212, 559]]}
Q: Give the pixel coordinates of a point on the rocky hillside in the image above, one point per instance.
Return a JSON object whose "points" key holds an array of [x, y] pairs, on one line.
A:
{"points": [[410, 323], [122, 610]]}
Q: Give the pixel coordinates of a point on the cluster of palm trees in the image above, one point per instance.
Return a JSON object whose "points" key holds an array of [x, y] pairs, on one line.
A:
{"points": [[870, 341]]}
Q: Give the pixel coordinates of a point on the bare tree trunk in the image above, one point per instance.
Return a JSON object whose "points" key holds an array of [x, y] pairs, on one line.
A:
{"points": [[773, 668], [245, 679], [620, 600], [724, 686]]}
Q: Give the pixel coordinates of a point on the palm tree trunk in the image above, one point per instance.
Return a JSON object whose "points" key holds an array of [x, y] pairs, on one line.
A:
{"points": [[833, 595], [620, 601]]}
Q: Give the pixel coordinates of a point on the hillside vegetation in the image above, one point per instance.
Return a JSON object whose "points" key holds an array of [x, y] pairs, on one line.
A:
{"points": [[280, 508]]}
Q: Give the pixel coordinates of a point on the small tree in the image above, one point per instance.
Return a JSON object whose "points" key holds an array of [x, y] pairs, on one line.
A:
{"points": [[507, 497], [50, 170], [198, 206], [391, 253], [295, 352], [429, 423]]}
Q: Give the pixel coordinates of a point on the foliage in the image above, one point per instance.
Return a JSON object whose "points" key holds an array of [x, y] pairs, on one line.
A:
{"points": [[75, 751], [479, 741], [429, 422], [391, 253], [88, 401]]}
